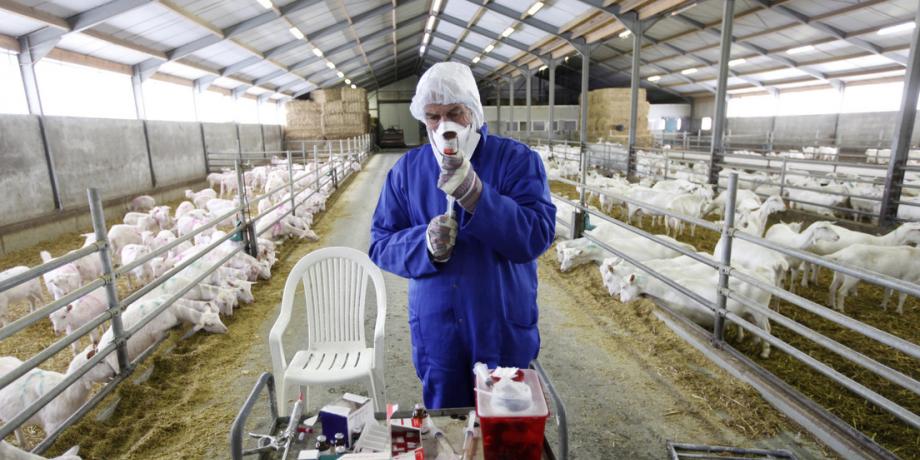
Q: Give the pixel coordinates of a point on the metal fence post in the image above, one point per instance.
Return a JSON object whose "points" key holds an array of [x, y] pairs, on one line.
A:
{"points": [[303, 154], [291, 180], [335, 183], [98, 215], [249, 232], [316, 167], [667, 164], [782, 178], [718, 333]]}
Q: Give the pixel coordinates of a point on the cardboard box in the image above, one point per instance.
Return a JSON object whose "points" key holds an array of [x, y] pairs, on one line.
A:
{"points": [[348, 413]]}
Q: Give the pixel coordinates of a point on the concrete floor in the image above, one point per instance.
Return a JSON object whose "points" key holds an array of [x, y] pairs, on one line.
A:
{"points": [[618, 405]]}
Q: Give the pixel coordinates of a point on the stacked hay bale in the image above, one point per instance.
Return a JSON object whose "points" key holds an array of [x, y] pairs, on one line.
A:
{"points": [[347, 116], [331, 114], [304, 121], [608, 116]]}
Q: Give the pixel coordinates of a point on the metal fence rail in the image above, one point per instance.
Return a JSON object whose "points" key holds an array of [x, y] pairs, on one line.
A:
{"points": [[357, 149], [726, 271], [671, 164]]}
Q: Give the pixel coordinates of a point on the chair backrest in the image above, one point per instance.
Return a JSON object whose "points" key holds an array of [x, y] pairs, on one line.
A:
{"points": [[334, 281]]}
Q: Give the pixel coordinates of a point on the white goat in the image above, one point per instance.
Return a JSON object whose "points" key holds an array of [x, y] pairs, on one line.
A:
{"points": [[76, 314], [908, 233], [902, 262], [636, 284], [29, 388], [62, 280], [11, 452], [29, 291], [142, 203], [786, 235], [143, 273], [121, 236]]}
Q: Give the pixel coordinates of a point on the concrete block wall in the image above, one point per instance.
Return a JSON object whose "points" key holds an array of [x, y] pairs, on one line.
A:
{"points": [[110, 155], [176, 152], [122, 158], [24, 176], [251, 138]]}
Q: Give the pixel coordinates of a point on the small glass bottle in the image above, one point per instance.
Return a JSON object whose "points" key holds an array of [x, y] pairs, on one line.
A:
{"points": [[419, 418], [355, 436], [322, 445], [340, 448]]}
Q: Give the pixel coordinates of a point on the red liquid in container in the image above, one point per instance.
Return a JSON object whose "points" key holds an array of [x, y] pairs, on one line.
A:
{"points": [[513, 435]]}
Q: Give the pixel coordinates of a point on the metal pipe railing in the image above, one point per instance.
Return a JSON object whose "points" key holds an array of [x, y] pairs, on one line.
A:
{"points": [[40, 270], [829, 372], [726, 272], [43, 312], [113, 313]]}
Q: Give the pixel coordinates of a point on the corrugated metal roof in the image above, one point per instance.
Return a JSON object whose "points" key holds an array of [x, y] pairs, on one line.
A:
{"points": [[191, 25]]}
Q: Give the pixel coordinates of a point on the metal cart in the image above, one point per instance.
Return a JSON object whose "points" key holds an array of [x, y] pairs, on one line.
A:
{"points": [[268, 447]]}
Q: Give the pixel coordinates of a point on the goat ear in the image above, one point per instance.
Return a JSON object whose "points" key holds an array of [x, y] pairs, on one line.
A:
{"points": [[69, 307], [631, 279], [91, 353]]}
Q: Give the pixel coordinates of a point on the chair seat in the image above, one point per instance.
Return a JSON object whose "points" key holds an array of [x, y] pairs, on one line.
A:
{"points": [[309, 366]]}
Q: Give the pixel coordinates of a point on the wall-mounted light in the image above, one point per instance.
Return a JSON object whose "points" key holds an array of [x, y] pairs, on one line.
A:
{"points": [[340, 74], [489, 48], [267, 4], [296, 33], [508, 31], [624, 34], [318, 52], [689, 71], [330, 65], [476, 60], [654, 78]]}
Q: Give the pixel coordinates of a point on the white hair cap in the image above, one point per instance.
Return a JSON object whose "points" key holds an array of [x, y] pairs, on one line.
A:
{"points": [[447, 83]]}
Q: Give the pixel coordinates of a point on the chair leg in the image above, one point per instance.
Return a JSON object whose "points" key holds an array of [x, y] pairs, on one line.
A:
{"points": [[378, 390], [281, 394]]}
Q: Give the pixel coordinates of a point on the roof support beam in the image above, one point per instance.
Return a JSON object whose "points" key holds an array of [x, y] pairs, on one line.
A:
{"points": [[530, 21], [760, 51], [716, 149], [237, 67], [29, 82], [900, 145], [635, 79], [328, 30], [43, 40], [828, 29]]}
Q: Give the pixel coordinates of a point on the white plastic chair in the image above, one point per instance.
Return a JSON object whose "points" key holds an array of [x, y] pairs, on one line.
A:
{"points": [[334, 283]]}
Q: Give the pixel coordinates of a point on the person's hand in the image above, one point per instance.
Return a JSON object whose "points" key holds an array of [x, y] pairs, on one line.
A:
{"points": [[459, 180], [441, 236]]}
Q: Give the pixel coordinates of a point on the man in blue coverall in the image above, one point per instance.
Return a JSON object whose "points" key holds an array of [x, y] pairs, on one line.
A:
{"points": [[473, 272]]}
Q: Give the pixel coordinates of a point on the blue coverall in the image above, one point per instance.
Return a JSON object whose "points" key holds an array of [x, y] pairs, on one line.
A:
{"points": [[481, 305]]}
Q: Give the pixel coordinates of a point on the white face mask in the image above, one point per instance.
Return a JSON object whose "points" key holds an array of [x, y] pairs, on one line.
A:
{"points": [[467, 138]]}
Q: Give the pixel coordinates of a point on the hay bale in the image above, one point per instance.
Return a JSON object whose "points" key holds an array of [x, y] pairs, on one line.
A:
{"points": [[608, 114], [353, 95], [324, 96]]}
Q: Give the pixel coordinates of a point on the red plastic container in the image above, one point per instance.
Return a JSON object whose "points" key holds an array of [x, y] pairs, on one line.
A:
{"points": [[513, 435]]}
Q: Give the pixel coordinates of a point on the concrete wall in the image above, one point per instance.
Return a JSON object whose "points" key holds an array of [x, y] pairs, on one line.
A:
{"points": [[273, 137], [108, 154], [251, 138], [220, 137], [24, 178], [176, 151]]}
